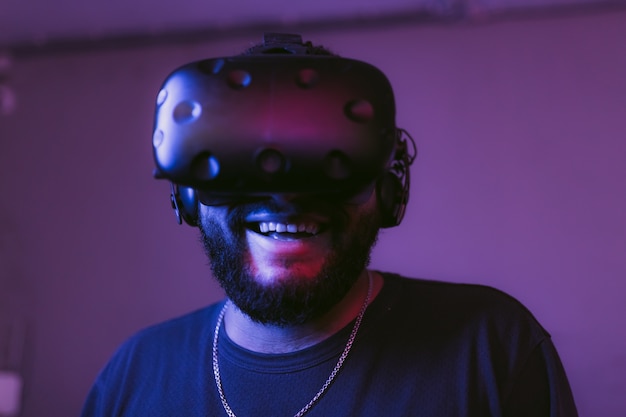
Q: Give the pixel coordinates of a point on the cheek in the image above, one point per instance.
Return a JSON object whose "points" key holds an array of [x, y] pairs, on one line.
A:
{"points": [[216, 216], [219, 239], [363, 215]]}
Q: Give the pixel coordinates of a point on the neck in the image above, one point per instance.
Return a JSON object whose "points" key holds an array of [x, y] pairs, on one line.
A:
{"points": [[265, 338]]}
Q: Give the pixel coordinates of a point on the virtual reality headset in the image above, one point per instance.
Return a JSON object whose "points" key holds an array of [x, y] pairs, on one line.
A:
{"points": [[279, 119]]}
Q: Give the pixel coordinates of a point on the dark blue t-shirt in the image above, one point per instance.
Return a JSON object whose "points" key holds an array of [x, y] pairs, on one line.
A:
{"points": [[424, 349]]}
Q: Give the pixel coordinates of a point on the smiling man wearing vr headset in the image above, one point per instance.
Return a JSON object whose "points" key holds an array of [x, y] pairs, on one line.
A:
{"points": [[288, 160]]}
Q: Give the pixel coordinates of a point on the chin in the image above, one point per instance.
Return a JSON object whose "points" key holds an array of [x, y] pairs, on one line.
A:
{"points": [[270, 275]]}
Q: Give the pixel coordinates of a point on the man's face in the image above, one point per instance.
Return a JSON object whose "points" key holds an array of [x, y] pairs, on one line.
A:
{"points": [[286, 259]]}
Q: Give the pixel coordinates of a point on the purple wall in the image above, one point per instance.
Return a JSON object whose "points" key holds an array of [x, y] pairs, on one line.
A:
{"points": [[520, 184]]}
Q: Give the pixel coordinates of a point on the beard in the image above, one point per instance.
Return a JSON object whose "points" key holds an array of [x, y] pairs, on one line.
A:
{"points": [[292, 301]]}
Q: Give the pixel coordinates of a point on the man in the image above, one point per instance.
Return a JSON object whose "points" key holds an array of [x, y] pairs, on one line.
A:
{"points": [[288, 161]]}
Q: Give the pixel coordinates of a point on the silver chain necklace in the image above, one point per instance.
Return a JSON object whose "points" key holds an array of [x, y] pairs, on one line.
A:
{"points": [[329, 380]]}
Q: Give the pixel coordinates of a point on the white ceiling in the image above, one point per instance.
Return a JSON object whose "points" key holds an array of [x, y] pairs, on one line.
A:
{"points": [[37, 23]]}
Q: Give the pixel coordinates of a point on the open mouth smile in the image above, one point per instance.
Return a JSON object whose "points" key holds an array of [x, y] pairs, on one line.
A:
{"points": [[280, 230]]}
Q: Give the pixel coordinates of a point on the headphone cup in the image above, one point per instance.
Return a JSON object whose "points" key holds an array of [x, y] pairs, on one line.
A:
{"points": [[187, 202], [391, 195]]}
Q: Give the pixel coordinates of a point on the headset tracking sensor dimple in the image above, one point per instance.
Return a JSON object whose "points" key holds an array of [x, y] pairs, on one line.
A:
{"points": [[285, 117]]}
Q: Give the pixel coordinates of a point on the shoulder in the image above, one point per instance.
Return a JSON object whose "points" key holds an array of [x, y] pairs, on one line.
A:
{"points": [[171, 342], [156, 359], [182, 332], [194, 321], [474, 308], [468, 332], [430, 293]]}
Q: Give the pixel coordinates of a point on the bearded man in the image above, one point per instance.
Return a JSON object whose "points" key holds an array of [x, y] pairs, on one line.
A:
{"points": [[288, 160]]}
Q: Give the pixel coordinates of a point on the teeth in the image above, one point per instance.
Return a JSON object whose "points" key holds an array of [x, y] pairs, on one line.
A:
{"points": [[266, 227]]}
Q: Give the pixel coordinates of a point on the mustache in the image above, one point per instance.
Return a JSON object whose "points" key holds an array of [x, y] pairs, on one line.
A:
{"points": [[299, 205]]}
